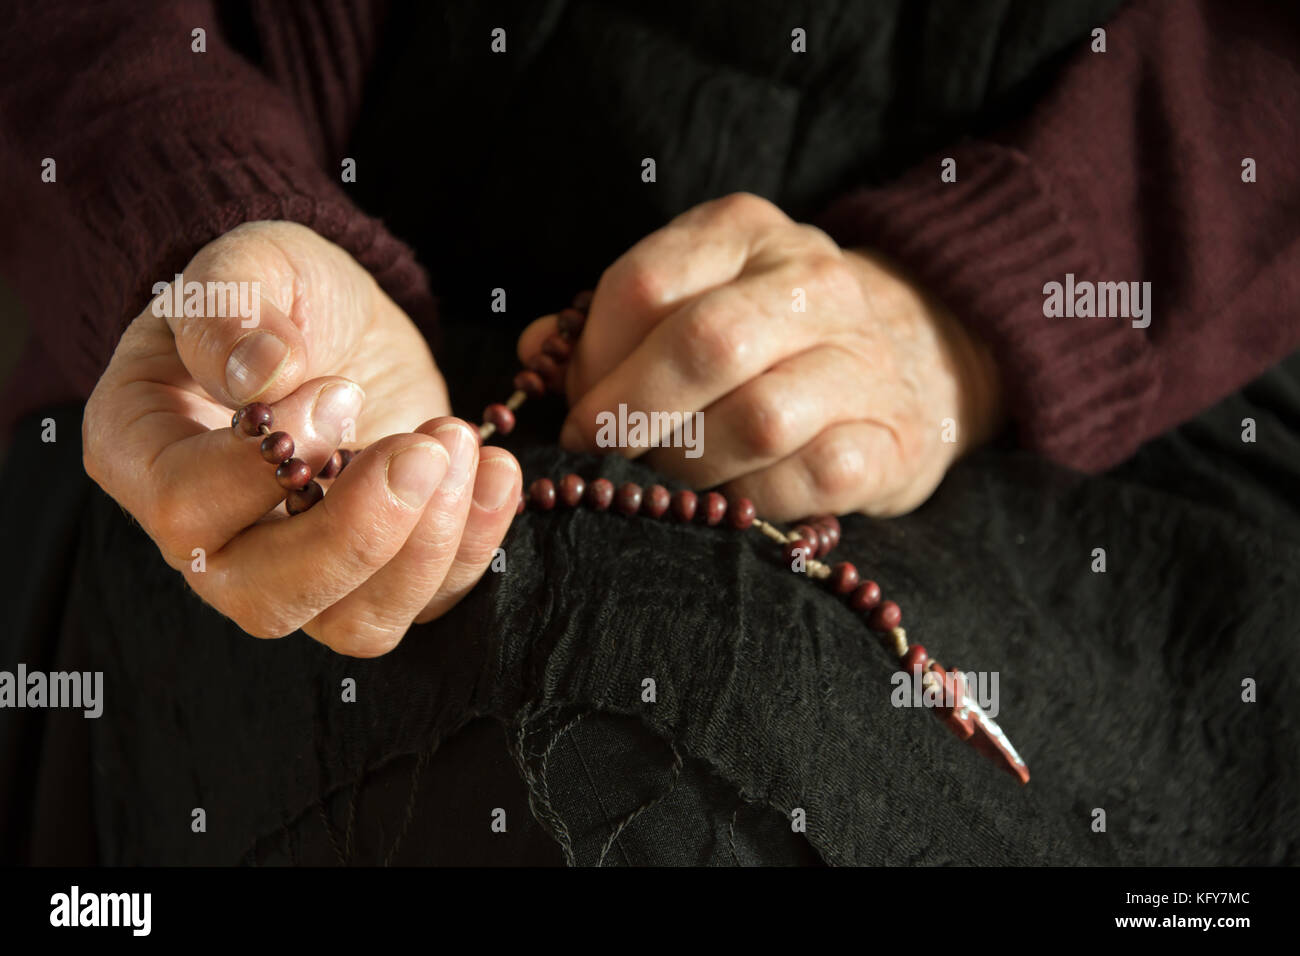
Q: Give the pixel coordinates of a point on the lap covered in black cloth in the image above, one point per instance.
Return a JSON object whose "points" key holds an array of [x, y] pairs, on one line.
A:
{"points": [[526, 705]]}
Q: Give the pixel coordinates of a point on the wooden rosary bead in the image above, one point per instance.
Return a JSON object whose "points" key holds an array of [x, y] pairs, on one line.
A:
{"points": [[808, 533], [582, 301], [824, 544], [571, 490], [829, 520], [832, 532], [844, 578], [570, 322], [542, 494], [500, 416], [865, 597], [656, 501], [886, 617], [530, 383], [277, 447], [293, 475], [915, 659], [333, 465], [557, 347], [628, 499], [684, 504], [742, 513], [714, 510], [299, 500], [800, 546], [345, 457], [250, 419], [600, 494], [549, 370]]}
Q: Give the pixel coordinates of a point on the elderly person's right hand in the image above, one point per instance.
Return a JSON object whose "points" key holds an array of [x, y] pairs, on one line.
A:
{"points": [[404, 532]]}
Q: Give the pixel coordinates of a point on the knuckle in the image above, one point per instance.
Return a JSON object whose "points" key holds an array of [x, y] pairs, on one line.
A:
{"points": [[360, 637], [831, 275], [92, 458], [817, 239], [745, 205], [840, 471], [714, 341], [92, 448], [255, 617], [226, 256], [168, 519], [767, 425], [639, 283]]}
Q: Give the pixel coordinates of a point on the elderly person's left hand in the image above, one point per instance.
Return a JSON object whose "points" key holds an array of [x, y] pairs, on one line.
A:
{"points": [[827, 381]]}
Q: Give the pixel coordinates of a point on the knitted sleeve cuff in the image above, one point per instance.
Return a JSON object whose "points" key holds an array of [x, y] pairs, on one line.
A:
{"points": [[1078, 389]]}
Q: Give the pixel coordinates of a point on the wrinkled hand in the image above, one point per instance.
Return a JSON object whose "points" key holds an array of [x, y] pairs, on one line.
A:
{"points": [[840, 407], [404, 532]]}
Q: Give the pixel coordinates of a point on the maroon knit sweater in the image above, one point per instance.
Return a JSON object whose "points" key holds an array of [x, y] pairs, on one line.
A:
{"points": [[1128, 169]]}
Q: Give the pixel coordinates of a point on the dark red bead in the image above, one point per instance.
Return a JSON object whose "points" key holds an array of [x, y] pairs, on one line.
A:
{"points": [[549, 370], [251, 418], [832, 534], [557, 348], [915, 659], [571, 490], [293, 474], [628, 499], [714, 510], [500, 416], [582, 301], [886, 617], [799, 546], [345, 457], [808, 533], [742, 513], [332, 467], [844, 578], [299, 500], [530, 383], [684, 504], [277, 447], [656, 501], [570, 322], [542, 494], [600, 494], [865, 597], [829, 520]]}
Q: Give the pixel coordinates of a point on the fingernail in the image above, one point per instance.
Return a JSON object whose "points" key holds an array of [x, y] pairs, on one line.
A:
{"points": [[253, 365], [462, 446], [495, 481], [415, 473], [336, 405], [571, 437]]}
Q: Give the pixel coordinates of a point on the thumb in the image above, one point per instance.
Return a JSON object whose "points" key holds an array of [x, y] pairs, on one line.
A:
{"points": [[264, 308]]}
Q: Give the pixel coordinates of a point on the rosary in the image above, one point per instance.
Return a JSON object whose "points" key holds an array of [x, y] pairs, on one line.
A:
{"points": [[812, 539]]}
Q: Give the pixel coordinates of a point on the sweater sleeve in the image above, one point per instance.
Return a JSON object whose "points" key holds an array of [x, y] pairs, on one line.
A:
{"points": [[1131, 168], [127, 148]]}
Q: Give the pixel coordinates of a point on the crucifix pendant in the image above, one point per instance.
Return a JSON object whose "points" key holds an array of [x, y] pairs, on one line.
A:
{"points": [[969, 721]]}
